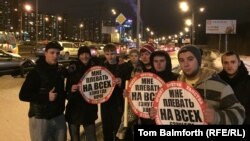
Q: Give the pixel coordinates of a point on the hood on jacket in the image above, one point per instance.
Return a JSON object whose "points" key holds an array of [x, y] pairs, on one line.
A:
{"points": [[241, 74], [168, 68], [204, 75]]}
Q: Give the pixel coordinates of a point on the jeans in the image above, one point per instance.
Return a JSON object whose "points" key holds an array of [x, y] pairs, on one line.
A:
{"points": [[54, 129], [89, 130]]}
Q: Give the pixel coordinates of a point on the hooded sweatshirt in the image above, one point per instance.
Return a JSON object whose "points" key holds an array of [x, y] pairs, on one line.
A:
{"points": [[219, 95], [240, 84]]}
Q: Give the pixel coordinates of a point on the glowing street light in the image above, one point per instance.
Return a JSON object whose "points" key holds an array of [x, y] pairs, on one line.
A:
{"points": [[80, 28], [46, 19], [188, 22], [184, 6], [186, 29], [202, 9], [59, 18], [113, 11], [27, 7]]}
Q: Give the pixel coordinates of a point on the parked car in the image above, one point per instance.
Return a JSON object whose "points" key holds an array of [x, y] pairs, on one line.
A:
{"points": [[69, 49], [14, 64]]}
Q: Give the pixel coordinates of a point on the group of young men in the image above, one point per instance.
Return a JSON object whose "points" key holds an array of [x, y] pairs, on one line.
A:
{"points": [[225, 94]]}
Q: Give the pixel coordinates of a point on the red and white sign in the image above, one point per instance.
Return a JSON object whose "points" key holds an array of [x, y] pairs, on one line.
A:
{"points": [[142, 89], [97, 85], [177, 103]]}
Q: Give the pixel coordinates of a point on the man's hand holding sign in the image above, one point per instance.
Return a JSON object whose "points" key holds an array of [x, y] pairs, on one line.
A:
{"points": [[178, 104], [97, 85]]}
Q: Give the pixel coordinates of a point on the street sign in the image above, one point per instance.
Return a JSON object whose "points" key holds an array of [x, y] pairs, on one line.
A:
{"points": [[121, 19]]}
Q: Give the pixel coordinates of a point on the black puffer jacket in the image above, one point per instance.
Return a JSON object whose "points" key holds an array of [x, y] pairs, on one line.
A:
{"points": [[36, 87], [78, 111], [241, 86]]}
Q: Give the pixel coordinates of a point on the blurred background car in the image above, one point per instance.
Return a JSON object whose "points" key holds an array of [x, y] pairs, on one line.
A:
{"points": [[14, 64], [69, 49], [39, 50]]}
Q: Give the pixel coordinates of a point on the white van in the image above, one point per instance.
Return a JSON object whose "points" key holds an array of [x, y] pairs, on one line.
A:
{"points": [[69, 48]]}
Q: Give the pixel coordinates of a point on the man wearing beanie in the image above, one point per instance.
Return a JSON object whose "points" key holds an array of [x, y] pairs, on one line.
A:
{"points": [[78, 111], [222, 107], [44, 90], [145, 53]]}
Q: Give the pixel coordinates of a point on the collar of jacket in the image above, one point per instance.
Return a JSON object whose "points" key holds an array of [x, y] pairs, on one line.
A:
{"points": [[204, 74]]}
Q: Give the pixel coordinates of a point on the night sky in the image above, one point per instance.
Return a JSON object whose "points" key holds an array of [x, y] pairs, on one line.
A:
{"points": [[163, 16]]}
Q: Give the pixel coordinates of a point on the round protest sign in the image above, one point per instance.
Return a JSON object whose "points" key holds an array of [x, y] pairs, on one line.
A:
{"points": [[97, 85], [142, 89], [177, 103]]}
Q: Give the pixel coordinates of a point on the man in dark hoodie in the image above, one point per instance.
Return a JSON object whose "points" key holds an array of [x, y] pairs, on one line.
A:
{"points": [[162, 66], [112, 109], [44, 90], [236, 75], [78, 111]]}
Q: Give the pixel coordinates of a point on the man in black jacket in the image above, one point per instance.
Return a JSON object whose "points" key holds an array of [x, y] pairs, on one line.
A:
{"points": [[112, 109], [44, 90], [79, 111], [236, 75]]}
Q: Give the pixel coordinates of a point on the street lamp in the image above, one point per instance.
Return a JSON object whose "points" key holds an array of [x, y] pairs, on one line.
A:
{"points": [[59, 18], [37, 21], [80, 28], [27, 8], [46, 19], [152, 33], [188, 22], [185, 7], [138, 22], [113, 11]]}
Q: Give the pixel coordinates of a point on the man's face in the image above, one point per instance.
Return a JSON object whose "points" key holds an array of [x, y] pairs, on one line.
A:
{"points": [[230, 64], [145, 57], [111, 56], [52, 55], [134, 58], [84, 57], [189, 64], [159, 63]]}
